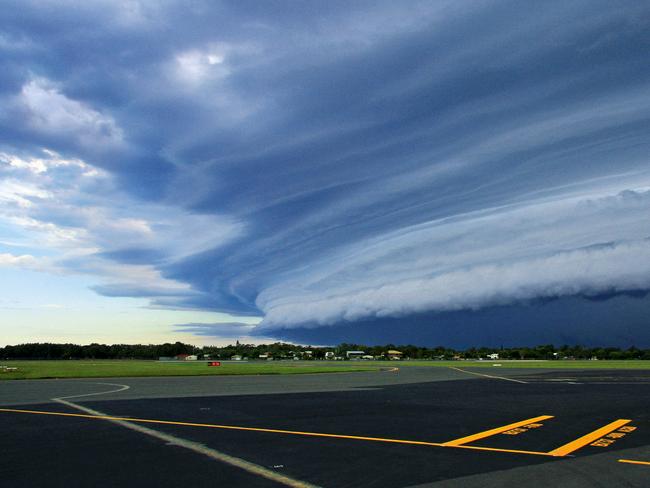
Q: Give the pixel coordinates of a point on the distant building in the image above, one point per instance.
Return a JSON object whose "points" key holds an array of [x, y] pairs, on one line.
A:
{"points": [[329, 355], [236, 357], [354, 354], [394, 355], [191, 357], [493, 355], [367, 357], [181, 357]]}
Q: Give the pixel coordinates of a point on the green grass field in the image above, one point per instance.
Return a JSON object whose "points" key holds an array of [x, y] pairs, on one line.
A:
{"points": [[122, 368], [541, 364]]}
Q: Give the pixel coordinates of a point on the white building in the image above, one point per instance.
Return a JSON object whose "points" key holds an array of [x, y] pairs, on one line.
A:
{"points": [[354, 354]]}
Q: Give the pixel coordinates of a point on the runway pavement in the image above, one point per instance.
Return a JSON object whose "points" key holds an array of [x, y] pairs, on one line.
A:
{"points": [[413, 427]]}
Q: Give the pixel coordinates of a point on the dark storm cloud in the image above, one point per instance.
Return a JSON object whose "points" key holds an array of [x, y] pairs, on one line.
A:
{"points": [[323, 163], [618, 322]]}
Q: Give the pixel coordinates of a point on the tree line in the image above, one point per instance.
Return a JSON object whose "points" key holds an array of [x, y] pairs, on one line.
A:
{"points": [[280, 350]]}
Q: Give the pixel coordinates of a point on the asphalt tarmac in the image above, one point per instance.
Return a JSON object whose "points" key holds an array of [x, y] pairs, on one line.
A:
{"points": [[436, 427]]}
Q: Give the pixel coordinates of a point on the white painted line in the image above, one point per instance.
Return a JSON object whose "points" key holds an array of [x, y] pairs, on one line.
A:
{"points": [[489, 376], [121, 388], [251, 468]]}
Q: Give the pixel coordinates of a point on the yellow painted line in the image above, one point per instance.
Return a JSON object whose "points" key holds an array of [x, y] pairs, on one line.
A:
{"points": [[227, 427], [276, 431], [497, 430], [496, 449], [632, 461], [588, 438]]}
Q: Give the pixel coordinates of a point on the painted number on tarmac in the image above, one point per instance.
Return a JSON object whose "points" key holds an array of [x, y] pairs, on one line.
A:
{"points": [[522, 429], [612, 437]]}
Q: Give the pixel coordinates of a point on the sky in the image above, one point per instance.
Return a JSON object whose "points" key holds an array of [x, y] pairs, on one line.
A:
{"points": [[438, 173]]}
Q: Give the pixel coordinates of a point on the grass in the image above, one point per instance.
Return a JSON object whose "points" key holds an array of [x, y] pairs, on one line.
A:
{"points": [[123, 368], [536, 364]]}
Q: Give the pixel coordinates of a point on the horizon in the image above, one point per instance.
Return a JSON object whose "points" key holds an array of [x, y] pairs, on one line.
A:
{"points": [[335, 346]]}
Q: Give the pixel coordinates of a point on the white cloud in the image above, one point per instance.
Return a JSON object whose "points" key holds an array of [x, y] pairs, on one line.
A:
{"points": [[203, 73], [586, 245], [590, 272], [73, 213], [131, 279], [222, 329], [198, 65], [25, 261], [20, 193], [42, 164], [51, 112]]}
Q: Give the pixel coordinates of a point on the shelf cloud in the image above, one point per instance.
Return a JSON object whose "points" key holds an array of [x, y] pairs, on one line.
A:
{"points": [[327, 165]]}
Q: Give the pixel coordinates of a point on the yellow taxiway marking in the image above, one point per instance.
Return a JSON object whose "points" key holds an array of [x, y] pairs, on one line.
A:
{"points": [[226, 427], [275, 431], [632, 461], [588, 438], [498, 449], [497, 430], [456, 443]]}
